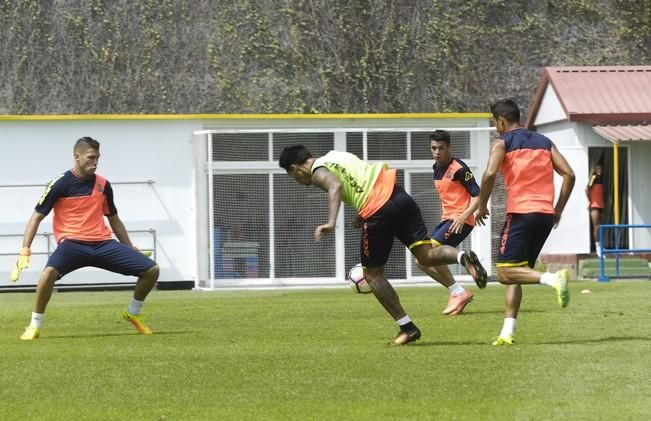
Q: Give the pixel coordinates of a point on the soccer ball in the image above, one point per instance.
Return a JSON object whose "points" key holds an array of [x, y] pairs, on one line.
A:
{"points": [[357, 280]]}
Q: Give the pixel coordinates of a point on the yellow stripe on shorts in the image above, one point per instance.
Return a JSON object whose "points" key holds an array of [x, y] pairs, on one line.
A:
{"points": [[418, 243], [511, 265]]}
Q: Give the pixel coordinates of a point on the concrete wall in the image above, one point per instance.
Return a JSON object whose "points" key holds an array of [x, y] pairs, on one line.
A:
{"points": [[162, 149], [573, 140], [572, 234], [640, 183], [33, 152]]}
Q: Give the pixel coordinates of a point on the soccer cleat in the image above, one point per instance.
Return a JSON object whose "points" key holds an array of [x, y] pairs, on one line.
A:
{"points": [[138, 322], [560, 286], [472, 264], [503, 340], [406, 336], [456, 303], [30, 333]]}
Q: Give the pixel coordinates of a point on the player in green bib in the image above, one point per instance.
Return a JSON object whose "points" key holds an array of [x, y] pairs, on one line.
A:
{"points": [[385, 211], [357, 176]]}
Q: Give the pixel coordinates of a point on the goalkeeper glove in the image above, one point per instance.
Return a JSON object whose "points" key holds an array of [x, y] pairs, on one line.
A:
{"points": [[147, 253], [21, 263]]}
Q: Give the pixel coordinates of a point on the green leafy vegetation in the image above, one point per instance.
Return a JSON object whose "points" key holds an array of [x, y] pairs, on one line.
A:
{"points": [[298, 56]]}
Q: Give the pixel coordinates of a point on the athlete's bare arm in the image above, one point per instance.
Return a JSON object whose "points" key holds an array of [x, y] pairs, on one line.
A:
{"points": [[119, 230], [459, 221], [31, 228], [498, 152], [327, 181], [587, 189]]}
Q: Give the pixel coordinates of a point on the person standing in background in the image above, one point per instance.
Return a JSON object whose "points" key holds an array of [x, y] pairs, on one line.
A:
{"points": [[595, 193]]}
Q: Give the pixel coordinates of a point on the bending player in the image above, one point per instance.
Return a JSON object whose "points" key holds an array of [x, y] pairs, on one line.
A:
{"points": [[385, 211]]}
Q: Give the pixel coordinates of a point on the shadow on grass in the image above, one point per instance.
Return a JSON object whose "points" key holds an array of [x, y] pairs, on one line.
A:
{"points": [[443, 343], [595, 340], [108, 335], [560, 342], [470, 312]]}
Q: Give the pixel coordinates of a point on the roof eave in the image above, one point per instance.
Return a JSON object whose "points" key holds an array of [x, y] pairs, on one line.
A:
{"points": [[624, 118], [537, 100]]}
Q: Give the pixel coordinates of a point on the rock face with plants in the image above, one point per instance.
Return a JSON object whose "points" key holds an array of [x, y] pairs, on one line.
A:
{"points": [[301, 56]]}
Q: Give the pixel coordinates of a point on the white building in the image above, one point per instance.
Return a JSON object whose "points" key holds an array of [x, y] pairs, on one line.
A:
{"points": [[253, 227], [585, 111]]}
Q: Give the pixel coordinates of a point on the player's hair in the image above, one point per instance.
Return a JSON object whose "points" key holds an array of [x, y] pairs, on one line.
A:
{"points": [[86, 143], [440, 136], [507, 109], [296, 154]]}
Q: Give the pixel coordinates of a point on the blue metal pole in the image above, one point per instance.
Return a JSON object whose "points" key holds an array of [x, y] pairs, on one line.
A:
{"points": [[602, 274], [617, 234]]}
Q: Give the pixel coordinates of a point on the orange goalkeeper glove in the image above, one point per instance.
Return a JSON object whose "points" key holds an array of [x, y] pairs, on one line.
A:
{"points": [[21, 263]]}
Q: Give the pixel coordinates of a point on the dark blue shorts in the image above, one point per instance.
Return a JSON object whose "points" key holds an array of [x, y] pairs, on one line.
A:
{"points": [[443, 236], [400, 217], [522, 238], [110, 255]]}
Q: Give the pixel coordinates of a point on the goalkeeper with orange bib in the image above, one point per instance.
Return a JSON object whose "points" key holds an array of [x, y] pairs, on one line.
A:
{"points": [[385, 211], [80, 199]]}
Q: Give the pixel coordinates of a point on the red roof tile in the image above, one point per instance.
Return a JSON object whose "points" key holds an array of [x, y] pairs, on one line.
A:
{"points": [[618, 134], [599, 94]]}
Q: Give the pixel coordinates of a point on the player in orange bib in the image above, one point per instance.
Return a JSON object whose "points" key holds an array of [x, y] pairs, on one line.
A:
{"points": [[595, 193], [528, 161], [80, 200], [384, 211], [459, 195]]}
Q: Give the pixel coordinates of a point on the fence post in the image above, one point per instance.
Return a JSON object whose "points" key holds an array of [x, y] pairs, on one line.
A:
{"points": [[602, 256]]}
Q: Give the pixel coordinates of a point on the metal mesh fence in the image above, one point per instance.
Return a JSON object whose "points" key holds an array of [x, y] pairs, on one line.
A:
{"points": [[262, 221]]}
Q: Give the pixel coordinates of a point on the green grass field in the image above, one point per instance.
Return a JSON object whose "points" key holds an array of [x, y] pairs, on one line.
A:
{"points": [[324, 354]]}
